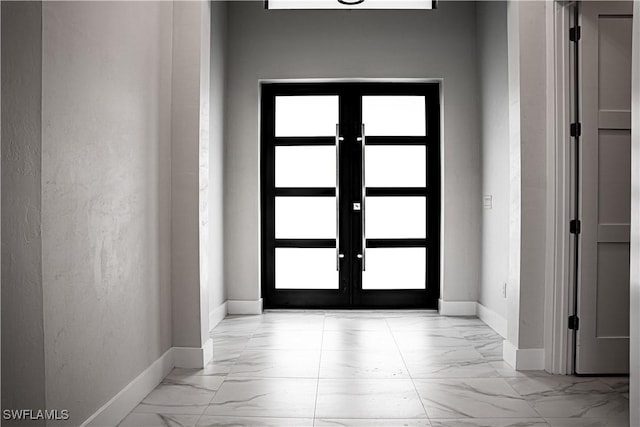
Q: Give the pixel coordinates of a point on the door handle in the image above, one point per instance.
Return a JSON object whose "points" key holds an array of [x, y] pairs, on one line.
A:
{"points": [[339, 255], [362, 256]]}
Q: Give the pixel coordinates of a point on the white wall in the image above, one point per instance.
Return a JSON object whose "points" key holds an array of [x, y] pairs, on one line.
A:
{"points": [[353, 44], [106, 114], [190, 173], [635, 224], [494, 127], [185, 176], [217, 294], [22, 295], [527, 33]]}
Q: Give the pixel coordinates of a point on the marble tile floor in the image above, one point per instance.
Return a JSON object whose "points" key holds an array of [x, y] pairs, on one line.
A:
{"points": [[372, 369]]}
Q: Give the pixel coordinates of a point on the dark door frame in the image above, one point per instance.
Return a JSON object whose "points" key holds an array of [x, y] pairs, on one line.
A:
{"points": [[350, 294]]}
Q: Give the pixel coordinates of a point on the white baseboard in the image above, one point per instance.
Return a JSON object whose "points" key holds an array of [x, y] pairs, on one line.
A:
{"points": [[492, 319], [457, 308], [217, 314], [129, 397], [193, 357], [244, 306], [116, 409], [527, 359]]}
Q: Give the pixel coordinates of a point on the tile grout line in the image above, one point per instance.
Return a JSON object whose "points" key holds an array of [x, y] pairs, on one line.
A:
{"points": [[408, 372], [315, 406]]}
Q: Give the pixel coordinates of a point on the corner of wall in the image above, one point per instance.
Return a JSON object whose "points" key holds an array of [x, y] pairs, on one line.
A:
{"points": [[217, 315], [492, 319]]}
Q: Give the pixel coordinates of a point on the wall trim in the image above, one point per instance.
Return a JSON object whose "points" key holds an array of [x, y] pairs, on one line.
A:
{"points": [[217, 315], [456, 308], [193, 357], [492, 319], [559, 248], [116, 409], [527, 359], [244, 306]]}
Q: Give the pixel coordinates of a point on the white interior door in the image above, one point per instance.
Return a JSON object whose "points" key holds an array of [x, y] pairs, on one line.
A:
{"points": [[603, 307]]}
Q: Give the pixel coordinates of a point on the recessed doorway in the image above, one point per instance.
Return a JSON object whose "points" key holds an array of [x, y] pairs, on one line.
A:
{"points": [[350, 195]]}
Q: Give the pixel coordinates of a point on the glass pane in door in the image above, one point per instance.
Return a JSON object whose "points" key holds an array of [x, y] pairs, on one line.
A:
{"points": [[305, 217], [394, 115], [396, 217], [395, 268], [306, 268], [306, 166], [306, 115], [396, 166]]}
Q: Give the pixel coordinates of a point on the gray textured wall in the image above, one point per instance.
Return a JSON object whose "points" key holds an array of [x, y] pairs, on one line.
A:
{"points": [[22, 297], [106, 114]]}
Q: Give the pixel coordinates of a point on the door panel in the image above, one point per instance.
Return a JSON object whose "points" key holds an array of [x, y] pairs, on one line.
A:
{"points": [[602, 345], [345, 218], [306, 115], [396, 218], [396, 166], [306, 166], [306, 268], [394, 115], [305, 217], [395, 268], [612, 318]]}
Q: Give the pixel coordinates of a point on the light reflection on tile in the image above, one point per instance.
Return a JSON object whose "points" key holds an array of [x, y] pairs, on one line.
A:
{"points": [[362, 364], [340, 323], [358, 340], [425, 340], [367, 398], [286, 340], [277, 363]]}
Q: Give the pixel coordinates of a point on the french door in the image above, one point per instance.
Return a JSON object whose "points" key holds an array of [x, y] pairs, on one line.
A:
{"points": [[350, 195]]}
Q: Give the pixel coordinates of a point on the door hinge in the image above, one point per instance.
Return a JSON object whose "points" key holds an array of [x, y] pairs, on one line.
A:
{"points": [[574, 322], [575, 129], [574, 226], [574, 34]]}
